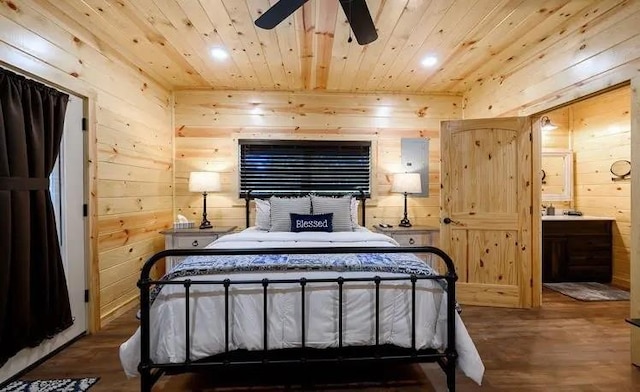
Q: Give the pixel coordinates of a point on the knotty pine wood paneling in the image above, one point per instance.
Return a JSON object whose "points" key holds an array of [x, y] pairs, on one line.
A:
{"points": [[130, 125], [475, 42], [209, 124], [601, 135], [593, 49]]}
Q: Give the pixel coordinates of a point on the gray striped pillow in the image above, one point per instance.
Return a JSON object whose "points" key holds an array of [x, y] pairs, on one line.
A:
{"points": [[339, 206], [281, 208], [263, 214]]}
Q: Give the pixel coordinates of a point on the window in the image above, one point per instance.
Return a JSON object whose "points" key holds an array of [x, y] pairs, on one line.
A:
{"points": [[292, 166], [55, 189]]}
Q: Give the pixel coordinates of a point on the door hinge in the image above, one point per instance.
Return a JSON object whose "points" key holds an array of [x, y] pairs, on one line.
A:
{"points": [[530, 137], [84, 123], [530, 210], [86, 296], [85, 209]]}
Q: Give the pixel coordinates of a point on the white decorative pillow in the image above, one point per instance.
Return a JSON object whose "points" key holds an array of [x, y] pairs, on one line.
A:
{"points": [[355, 204], [263, 214], [281, 208], [340, 207]]}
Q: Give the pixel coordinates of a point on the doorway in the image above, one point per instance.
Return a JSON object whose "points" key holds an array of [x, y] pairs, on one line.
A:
{"points": [[67, 188], [586, 190]]}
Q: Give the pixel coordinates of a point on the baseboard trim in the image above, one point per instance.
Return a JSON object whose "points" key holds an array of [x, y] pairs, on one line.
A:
{"points": [[126, 306], [40, 361]]}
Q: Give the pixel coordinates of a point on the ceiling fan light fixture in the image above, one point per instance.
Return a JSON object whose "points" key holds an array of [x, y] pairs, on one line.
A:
{"points": [[546, 124], [429, 61], [219, 54]]}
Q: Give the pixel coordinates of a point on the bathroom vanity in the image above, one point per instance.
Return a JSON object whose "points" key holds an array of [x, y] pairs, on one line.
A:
{"points": [[576, 249]]}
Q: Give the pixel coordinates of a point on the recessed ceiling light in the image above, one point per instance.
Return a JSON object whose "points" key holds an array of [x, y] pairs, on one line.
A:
{"points": [[383, 111], [429, 61], [219, 54]]}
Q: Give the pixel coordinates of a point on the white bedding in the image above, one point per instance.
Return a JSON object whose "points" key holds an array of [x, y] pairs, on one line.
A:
{"points": [[207, 304]]}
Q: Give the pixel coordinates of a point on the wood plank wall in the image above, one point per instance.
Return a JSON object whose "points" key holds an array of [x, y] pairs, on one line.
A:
{"points": [[209, 123], [572, 63], [601, 135], [130, 116]]}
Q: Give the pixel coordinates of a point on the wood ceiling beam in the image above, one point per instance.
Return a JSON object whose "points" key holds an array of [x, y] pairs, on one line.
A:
{"points": [[305, 21], [326, 12]]}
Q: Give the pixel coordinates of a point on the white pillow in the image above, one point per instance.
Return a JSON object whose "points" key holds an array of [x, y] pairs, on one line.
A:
{"points": [[355, 204], [340, 207], [282, 208], [263, 214]]}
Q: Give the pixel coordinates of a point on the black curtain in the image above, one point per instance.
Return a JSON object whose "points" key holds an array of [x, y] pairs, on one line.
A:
{"points": [[34, 301]]}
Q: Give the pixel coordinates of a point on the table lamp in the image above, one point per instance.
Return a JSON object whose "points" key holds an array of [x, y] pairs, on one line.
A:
{"points": [[406, 183], [204, 182]]}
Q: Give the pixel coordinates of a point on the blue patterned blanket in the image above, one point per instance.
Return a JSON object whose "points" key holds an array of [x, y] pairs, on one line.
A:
{"points": [[404, 263]]}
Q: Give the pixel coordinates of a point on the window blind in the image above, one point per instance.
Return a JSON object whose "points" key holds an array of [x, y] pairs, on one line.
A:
{"points": [[303, 166]]}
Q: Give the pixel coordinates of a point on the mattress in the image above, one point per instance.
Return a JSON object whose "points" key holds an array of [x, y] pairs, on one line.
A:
{"points": [[167, 315]]}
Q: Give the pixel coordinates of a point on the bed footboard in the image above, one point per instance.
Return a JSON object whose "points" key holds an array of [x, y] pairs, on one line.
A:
{"points": [[150, 372]]}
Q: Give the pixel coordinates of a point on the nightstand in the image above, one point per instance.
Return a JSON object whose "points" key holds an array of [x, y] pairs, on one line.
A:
{"points": [[191, 239], [413, 236]]}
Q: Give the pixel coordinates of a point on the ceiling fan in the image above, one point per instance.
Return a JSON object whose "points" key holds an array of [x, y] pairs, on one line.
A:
{"points": [[356, 11]]}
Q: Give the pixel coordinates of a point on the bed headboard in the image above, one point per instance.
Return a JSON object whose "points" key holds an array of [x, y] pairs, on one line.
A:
{"points": [[250, 195]]}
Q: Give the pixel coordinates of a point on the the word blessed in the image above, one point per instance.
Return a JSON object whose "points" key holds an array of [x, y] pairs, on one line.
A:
{"points": [[302, 224]]}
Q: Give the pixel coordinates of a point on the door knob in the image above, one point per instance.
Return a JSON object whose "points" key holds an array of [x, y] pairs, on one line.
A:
{"points": [[446, 220]]}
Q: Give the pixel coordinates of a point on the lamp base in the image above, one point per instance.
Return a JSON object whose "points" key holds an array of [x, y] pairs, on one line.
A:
{"points": [[404, 223], [205, 224]]}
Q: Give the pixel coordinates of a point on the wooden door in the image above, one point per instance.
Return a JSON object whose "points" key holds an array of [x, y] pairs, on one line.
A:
{"points": [[486, 216]]}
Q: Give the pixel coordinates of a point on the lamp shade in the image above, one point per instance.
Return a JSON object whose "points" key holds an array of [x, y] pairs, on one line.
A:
{"points": [[406, 182], [204, 182]]}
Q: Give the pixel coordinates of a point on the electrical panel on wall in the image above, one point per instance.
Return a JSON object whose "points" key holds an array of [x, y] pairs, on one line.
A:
{"points": [[415, 159]]}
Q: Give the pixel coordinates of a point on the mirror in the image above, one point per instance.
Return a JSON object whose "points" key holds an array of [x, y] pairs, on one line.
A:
{"points": [[557, 175]]}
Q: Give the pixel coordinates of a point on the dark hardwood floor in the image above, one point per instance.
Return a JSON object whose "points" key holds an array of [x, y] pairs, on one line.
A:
{"points": [[564, 346]]}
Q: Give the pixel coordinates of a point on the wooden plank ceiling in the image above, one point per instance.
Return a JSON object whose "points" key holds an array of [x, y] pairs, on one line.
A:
{"points": [[171, 41]]}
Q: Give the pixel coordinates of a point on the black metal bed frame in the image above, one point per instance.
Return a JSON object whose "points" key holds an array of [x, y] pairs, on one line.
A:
{"points": [[150, 371]]}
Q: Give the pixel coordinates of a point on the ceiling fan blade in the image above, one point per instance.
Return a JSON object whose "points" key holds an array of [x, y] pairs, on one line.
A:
{"points": [[360, 20], [278, 12]]}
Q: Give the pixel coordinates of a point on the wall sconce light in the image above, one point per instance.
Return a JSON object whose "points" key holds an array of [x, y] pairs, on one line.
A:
{"points": [[546, 124]]}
